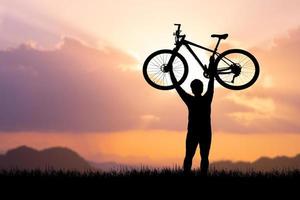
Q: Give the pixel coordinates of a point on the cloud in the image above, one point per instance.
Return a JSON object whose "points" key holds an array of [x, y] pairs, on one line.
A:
{"points": [[16, 28], [22, 21], [273, 102], [76, 88], [70, 88], [259, 104]]}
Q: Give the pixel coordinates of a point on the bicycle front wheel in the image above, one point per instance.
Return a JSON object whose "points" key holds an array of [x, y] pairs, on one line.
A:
{"points": [[237, 69], [157, 76]]}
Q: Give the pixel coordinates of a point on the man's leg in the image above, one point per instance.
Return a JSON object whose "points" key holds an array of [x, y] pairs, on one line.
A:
{"points": [[204, 152], [190, 149]]}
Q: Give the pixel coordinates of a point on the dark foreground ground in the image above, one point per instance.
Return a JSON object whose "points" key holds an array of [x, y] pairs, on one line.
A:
{"points": [[148, 182]]}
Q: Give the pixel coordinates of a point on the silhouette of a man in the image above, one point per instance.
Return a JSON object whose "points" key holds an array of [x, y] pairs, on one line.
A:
{"points": [[199, 123]]}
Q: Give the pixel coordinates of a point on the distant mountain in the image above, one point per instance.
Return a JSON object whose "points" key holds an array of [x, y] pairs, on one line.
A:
{"points": [[261, 164], [53, 158], [59, 158]]}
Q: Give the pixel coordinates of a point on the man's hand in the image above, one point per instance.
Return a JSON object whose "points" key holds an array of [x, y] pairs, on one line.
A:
{"points": [[212, 67], [212, 70]]}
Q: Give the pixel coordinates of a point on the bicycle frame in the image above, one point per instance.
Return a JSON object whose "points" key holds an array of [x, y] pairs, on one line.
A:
{"points": [[187, 44]]}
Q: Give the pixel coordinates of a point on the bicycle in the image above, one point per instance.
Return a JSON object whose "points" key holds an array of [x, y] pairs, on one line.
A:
{"points": [[236, 69]]}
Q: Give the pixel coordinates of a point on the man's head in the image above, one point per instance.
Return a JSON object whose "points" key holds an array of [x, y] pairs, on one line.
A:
{"points": [[197, 87]]}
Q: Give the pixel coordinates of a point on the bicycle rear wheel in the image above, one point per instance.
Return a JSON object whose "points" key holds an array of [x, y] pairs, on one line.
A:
{"points": [[237, 69], [154, 69]]}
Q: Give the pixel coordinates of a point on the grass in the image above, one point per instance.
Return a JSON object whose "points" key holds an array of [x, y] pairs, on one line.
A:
{"points": [[151, 182], [155, 174]]}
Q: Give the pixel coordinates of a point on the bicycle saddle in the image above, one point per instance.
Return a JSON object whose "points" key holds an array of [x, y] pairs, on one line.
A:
{"points": [[222, 36]]}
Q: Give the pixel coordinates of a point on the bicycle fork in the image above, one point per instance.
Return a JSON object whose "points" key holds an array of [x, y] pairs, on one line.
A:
{"points": [[168, 67]]}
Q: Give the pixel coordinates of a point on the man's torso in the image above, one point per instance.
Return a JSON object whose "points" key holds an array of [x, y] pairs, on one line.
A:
{"points": [[199, 115]]}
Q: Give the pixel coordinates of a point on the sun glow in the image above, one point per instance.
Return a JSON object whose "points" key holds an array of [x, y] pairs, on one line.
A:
{"points": [[195, 70], [158, 148]]}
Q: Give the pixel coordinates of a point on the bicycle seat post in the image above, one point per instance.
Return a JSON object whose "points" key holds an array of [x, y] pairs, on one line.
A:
{"points": [[220, 37], [217, 45]]}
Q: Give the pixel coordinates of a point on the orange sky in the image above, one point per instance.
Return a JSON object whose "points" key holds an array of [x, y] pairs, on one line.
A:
{"points": [[71, 76], [158, 148]]}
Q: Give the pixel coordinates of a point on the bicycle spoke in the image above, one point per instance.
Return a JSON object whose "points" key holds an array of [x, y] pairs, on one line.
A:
{"points": [[163, 57], [177, 70], [155, 76], [245, 63], [153, 70], [157, 62], [250, 76], [241, 77], [160, 59], [249, 66], [163, 79], [177, 67], [165, 82], [245, 75], [169, 79], [242, 58], [176, 60], [156, 72], [176, 73], [158, 78], [155, 65], [248, 73]]}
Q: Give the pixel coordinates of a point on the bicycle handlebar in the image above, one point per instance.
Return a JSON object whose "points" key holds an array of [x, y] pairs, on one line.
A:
{"points": [[178, 29], [177, 33], [178, 26]]}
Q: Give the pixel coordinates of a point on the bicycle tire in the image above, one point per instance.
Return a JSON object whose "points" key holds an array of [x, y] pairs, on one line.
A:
{"points": [[159, 64], [225, 56]]}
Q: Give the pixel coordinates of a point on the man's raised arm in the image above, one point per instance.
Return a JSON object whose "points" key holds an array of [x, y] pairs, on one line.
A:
{"points": [[210, 88], [184, 96]]}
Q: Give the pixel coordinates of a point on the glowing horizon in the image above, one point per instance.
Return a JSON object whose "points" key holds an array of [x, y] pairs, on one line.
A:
{"points": [[157, 148]]}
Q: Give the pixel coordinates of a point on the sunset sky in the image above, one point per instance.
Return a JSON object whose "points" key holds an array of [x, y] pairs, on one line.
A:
{"points": [[71, 75]]}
